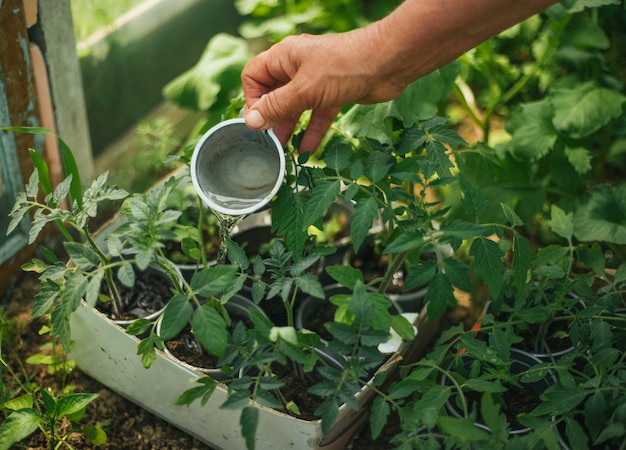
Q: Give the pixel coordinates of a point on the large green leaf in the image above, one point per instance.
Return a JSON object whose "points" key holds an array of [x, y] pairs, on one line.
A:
{"points": [[488, 262], [17, 426], [210, 329], [532, 130], [217, 72], [176, 315], [601, 215], [582, 110]]}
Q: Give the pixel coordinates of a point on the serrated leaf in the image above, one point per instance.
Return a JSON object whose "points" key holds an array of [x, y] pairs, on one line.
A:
{"points": [[82, 255], [420, 274], [439, 295], [405, 242], [601, 215], [345, 275], [175, 316], [377, 166], [488, 262], [365, 211], [511, 216], [583, 109], [236, 254], [213, 280], [61, 191], [579, 158], [337, 155], [93, 288], [378, 417], [249, 422], [559, 400], [522, 260], [472, 199], [561, 223], [210, 329], [322, 196], [126, 274], [532, 130], [310, 285]]}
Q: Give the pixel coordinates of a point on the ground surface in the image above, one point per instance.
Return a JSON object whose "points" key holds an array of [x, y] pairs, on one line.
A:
{"points": [[127, 425]]}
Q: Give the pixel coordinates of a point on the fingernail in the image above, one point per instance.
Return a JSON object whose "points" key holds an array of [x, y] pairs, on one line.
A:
{"points": [[254, 119]]}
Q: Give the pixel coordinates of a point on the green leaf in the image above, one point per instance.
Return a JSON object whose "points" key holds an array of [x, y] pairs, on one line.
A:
{"points": [[236, 254], [61, 191], [204, 392], [213, 77], [82, 255], [213, 280], [93, 288], [403, 327], [438, 296], [176, 315], [17, 426], [365, 211], [345, 275], [532, 130], [561, 223], [492, 417], [378, 417], [511, 215], [601, 215], [95, 434], [377, 166], [322, 196], [576, 435], [310, 285], [583, 109], [43, 174], [210, 329], [420, 274], [337, 155], [488, 262], [579, 158], [405, 242], [249, 422], [329, 412], [126, 274], [558, 400], [67, 158], [70, 404], [522, 260], [464, 230], [472, 200], [75, 288], [462, 430]]}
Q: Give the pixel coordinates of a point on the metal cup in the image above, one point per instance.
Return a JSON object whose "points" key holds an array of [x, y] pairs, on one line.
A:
{"points": [[236, 170]]}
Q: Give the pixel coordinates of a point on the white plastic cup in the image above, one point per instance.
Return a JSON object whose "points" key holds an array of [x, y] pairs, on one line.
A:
{"points": [[236, 170]]}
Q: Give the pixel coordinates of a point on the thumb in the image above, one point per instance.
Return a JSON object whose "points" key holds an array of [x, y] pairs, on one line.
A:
{"points": [[273, 108]]}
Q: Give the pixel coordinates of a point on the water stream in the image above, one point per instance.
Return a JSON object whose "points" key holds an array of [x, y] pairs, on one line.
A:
{"points": [[227, 224]]}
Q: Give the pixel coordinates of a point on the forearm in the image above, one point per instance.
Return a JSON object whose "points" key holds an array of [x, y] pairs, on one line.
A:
{"points": [[423, 35]]}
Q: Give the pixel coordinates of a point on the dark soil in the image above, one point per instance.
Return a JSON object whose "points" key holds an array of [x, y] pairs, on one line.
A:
{"points": [[150, 294], [127, 425]]}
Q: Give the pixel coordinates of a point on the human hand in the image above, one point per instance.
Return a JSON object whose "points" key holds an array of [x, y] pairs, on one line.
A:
{"points": [[318, 73]]}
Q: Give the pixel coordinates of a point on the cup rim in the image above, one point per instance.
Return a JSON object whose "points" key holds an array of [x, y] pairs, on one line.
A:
{"points": [[231, 211]]}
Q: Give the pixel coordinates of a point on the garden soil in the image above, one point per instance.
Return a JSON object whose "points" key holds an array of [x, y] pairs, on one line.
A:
{"points": [[127, 425]]}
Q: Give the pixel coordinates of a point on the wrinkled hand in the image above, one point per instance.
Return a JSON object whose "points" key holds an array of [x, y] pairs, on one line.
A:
{"points": [[318, 73]]}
